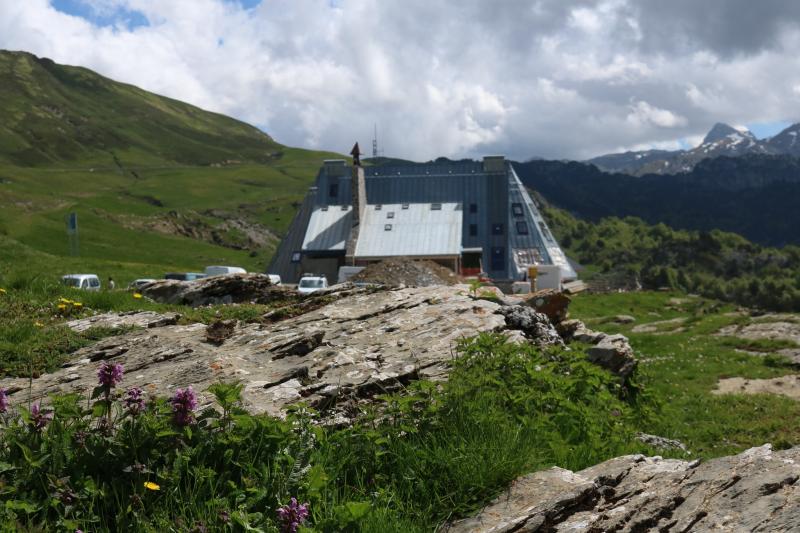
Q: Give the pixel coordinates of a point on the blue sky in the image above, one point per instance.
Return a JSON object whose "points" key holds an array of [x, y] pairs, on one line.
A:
{"points": [[119, 17]]}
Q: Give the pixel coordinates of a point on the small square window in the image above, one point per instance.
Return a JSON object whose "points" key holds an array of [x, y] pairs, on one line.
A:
{"points": [[387, 227], [522, 228], [296, 256], [390, 214], [473, 230], [497, 229], [378, 207], [517, 209], [344, 208], [324, 208], [436, 207], [405, 206], [473, 208]]}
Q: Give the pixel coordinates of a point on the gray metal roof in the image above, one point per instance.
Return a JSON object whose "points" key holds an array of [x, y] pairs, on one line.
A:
{"points": [[328, 228], [419, 230]]}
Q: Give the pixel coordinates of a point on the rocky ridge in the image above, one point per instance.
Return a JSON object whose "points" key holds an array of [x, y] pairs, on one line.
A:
{"points": [[757, 490]]}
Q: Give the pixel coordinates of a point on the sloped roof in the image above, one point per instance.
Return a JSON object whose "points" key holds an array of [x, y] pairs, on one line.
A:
{"points": [[419, 230], [328, 228]]}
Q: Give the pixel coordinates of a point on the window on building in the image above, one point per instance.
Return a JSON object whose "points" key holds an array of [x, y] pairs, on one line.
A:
{"points": [[522, 228], [378, 207], [390, 214], [324, 208], [498, 258], [296, 256], [473, 208], [473, 230], [436, 207], [497, 229], [333, 190], [405, 206], [344, 208], [516, 208], [387, 227]]}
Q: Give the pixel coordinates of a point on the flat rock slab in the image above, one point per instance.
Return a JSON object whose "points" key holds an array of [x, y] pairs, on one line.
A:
{"points": [[139, 319], [757, 490], [784, 330], [359, 345], [662, 326], [784, 386]]}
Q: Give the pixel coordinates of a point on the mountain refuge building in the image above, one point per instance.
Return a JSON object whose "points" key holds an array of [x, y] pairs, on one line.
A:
{"points": [[470, 216]]}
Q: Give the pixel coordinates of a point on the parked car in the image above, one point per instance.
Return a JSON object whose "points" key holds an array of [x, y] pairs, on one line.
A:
{"points": [[185, 276], [89, 282], [223, 270], [309, 284], [274, 279], [139, 283]]}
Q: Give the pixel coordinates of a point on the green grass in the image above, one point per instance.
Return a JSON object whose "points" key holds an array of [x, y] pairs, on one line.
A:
{"points": [[681, 369]]}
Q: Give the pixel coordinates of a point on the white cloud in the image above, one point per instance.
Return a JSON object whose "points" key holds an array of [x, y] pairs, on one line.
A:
{"points": [[643, 114], [456, 77]]}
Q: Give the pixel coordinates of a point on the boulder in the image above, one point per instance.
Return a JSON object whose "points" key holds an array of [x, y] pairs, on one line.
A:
{"points": [[231, 288], [757, 490], [661, 442], [614, 353], [536, 326]]}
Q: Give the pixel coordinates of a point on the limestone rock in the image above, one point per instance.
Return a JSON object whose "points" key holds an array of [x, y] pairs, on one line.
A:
{"points": [[536, 326], [140, 319], [348, 350], [624, 319], [614, 353], [757, 490]]}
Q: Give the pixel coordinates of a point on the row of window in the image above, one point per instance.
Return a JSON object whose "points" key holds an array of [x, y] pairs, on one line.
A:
{"points": [[498, 229]]}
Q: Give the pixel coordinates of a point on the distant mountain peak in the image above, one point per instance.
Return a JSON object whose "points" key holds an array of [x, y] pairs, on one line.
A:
{"points": [[721, 130]]}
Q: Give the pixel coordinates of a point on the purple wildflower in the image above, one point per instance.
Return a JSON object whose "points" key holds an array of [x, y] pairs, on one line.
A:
{"points": [[183, 403], [134, 401], [292, 515], [3, 400], [40, 417], [109, 374]]}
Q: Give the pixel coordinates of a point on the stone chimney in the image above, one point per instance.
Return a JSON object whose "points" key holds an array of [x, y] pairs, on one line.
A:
{"points": [[358, 190]]}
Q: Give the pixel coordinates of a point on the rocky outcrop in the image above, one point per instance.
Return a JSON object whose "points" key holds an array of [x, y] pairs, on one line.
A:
{"points": [[757, 490], [612, 352], [550, 302], [536, 327], [233, 288], [360, 345]]}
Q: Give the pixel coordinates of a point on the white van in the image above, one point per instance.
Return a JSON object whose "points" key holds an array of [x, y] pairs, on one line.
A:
{"points": [[223, 270], [311, 283], [89, 282]]}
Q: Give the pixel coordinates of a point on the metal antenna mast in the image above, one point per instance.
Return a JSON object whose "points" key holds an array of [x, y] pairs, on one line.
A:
{"points": [[375, 142]]}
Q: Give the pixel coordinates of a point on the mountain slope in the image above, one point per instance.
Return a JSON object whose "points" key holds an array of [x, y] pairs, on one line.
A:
{"points": [[754, 195], [61, 114], [154, 181]]}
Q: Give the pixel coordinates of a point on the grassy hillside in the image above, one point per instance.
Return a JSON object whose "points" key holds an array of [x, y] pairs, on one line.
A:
{"points": [[130, 164]]}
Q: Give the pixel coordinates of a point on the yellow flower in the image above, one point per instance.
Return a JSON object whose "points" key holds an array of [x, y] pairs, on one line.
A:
{"points": [[63, 300], [77, 304], [38, 324], [62, 306], [137, 295], [2, 291], [149, 485]]}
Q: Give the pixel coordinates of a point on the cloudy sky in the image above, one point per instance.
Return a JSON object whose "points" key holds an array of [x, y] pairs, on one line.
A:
{"points": [[459, 78]]}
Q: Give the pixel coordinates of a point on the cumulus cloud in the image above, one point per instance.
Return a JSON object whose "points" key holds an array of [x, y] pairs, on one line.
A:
{"points": [[459, 78]]}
